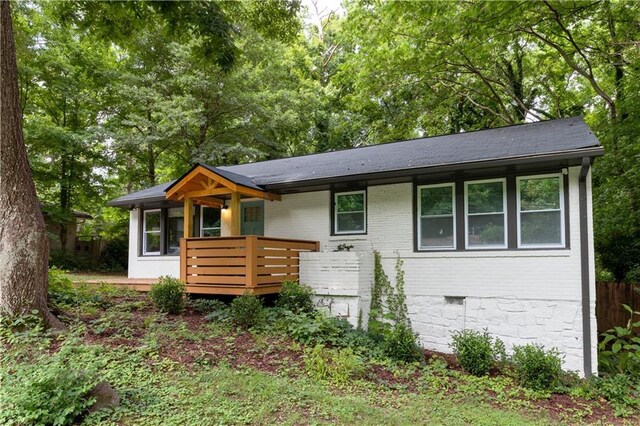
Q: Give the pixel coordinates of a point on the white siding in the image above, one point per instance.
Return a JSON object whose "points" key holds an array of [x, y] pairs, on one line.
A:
{"points": [[148, 266]]}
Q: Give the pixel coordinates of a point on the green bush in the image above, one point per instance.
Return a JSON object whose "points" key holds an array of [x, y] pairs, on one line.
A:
{"points": [[400, 343], [47, 391], [246, 311], [621, 391], [619, 349], [474, 350], [168, 295], [537, 368], [207, 306], [633, 275], [320, 328], [60, 290], [335, 365], [295, 297]]}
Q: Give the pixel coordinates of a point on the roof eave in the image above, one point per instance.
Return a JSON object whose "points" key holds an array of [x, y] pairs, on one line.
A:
{"points": [[591, 152]]}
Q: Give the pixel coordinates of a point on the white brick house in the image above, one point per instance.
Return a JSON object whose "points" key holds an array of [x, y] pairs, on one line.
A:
{"points": [[494, 228]]}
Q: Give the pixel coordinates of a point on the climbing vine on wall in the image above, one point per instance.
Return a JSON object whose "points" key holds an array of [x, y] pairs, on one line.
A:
{"points": [[388, 302]]}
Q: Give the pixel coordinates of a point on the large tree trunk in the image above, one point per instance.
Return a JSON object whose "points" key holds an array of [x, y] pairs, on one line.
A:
{"points": [[24, 249]]}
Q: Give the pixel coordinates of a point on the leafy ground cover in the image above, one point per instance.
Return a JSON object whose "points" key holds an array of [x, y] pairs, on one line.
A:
{"points": [[196, 367]]}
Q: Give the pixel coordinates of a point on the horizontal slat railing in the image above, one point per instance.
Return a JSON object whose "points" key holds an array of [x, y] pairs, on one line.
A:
{"points": [[233, 265]]}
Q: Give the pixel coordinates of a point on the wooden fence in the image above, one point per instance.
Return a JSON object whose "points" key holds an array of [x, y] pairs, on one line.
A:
{"points": [[609, 300], [233, 265]]}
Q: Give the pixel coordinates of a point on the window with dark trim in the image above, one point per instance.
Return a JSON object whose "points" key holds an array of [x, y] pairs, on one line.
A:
{"points": [[161, 230], [436, 217], [502, 213], [486, 213], [152, 232], [540, 211], [350, 212]]}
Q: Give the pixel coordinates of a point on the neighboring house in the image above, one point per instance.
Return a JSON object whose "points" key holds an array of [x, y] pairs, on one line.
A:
{"points": [[54, 227], [494, 228]]}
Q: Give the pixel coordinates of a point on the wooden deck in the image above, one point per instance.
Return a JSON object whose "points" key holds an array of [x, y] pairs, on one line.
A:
{"points": [[140, 284], [235, 265]]}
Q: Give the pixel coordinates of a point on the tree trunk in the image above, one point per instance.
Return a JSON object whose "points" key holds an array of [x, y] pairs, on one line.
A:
{"points": [[24, 248]]}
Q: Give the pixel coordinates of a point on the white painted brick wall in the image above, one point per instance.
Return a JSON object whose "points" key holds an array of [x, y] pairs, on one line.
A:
{"points": [[552, 323], [530, 279], [341, 281]]}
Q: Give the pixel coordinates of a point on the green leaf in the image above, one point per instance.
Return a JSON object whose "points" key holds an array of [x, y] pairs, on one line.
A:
{"points": [[616, 347], [627, 308], [623, 331]]}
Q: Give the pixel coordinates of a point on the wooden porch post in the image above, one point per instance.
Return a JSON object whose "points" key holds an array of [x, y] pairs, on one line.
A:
{"points": [[188, 217], [252, 262], [235, 214], [183, 260]]}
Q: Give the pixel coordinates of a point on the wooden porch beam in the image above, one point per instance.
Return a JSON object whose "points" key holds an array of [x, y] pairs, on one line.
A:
{"points": [[208, 201]]}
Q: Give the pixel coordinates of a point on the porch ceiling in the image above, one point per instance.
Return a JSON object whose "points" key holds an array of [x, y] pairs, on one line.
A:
{"points": [[210, 186]]}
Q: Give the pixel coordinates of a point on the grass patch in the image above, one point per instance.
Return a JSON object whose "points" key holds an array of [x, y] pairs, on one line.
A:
{"points": [[193, 369]]}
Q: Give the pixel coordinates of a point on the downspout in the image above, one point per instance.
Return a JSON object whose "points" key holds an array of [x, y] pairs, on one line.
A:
{"points": [[584, 256]]}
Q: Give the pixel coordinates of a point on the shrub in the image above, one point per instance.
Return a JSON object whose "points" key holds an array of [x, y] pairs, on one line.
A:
{"points": [[320, 328], [400, 343], [207, 306], [60, 288], [168, 295], [621, 392], [295, 297], [48, 391], [537, 368], [474, 350], [633, 275], [335, 365], [619, 350], [246, 311]]}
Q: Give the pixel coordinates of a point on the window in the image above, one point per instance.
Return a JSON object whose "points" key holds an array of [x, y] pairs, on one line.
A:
{"points": [[210, 222], [485, 208], [151, 241], [540, 211], [252, 214], [436, 217], [175, 229], [351, 212]]}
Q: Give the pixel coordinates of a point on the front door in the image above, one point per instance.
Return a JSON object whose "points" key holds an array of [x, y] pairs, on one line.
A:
{"points": [[252, 218]]}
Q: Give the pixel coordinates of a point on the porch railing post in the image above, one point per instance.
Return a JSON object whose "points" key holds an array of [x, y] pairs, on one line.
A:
{"points": [[183, 260], [252, 261]]}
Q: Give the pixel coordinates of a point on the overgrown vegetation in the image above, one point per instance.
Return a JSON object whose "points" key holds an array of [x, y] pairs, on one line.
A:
{"points": [[162, 368], [388, 318], [168, 295], [296, 297]]}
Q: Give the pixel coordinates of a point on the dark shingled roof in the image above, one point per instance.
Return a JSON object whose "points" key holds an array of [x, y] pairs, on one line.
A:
{"points": [[545, 139]]}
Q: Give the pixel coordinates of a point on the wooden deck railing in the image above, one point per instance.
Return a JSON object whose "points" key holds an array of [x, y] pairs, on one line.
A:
{"points": [[233, 265]]}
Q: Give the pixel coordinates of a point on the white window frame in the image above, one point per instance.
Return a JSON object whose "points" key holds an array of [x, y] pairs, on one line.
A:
{"points": [[561, 210], [202, 221], [335, 212], [451, 185], [145, 232], [503, 212]]}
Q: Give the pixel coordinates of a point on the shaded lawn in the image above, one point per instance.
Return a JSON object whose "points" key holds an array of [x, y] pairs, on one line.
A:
{"points": [[183, 370]]}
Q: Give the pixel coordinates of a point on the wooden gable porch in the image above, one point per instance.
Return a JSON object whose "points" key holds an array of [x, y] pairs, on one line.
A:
{"points": [[231, 264]]}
